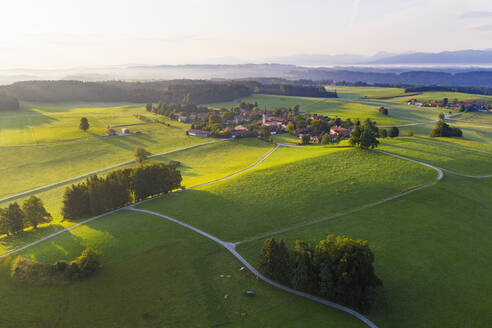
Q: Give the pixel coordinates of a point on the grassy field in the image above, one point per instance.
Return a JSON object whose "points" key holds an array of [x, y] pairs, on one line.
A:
{"points": [[476, 117], [433, 254], [43, 123], [35, 166], [155, 274], [432, 247], [199, 165], [292, 186], [462, 155], [44, 144], [270, 102], [439, 96]]}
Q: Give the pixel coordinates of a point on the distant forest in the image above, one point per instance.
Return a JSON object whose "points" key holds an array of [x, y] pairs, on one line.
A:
{"points": [[177, 91], [8, 102], [472, 90], [187, 91]]}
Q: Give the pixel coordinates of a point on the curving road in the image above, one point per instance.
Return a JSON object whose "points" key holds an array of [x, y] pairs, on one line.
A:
{"points": [[138, 203], [439, 177], [232, 249], [231, 246]]}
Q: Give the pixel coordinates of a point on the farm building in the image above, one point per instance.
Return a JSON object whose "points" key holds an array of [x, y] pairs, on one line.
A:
{"points": [[111, 132], [198, 133], [345, 133]]}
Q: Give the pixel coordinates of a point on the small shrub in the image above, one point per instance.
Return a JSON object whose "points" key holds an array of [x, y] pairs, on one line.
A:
{"points": [[34, 273], [410, 133]]}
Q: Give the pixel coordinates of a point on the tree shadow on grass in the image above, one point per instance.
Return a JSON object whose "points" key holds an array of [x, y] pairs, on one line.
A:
{"points": [[23, 119], [9, 243]]}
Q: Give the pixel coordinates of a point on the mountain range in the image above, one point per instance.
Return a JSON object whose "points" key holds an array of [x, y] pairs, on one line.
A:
{"points": [[445, 58]]}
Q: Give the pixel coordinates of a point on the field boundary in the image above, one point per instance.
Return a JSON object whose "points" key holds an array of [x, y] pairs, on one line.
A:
{"points": [[99, 171], [138, 203]]}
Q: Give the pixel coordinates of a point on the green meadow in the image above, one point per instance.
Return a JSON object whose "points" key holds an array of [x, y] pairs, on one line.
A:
{"points": [[432, 246], [198, 165], [270, 102], [155, 274], [432, 250], [366, 92], [462, 155], [293, 186]]}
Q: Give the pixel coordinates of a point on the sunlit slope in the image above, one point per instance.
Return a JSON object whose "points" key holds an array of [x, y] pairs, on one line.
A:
{"points": [[292, 186]]}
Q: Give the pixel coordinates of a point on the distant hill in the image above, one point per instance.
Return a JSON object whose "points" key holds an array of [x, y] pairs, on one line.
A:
{"points": [[327, 60], [462, 57]]}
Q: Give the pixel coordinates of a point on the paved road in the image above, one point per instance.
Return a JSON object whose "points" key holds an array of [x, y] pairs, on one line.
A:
{"points": [[99, 171], [231, 248]]}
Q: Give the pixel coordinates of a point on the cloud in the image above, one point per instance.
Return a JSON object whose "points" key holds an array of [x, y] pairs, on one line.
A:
{"points": [[477, 14], [355, 9]]}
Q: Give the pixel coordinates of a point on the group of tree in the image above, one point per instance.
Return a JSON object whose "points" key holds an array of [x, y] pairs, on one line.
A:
{"points": [[35, 273], [384, 111], [8, 102], [338, 268], [14, 218], [176, 108], [442, 129], [98, 195], [365, 136], [392, 132]]}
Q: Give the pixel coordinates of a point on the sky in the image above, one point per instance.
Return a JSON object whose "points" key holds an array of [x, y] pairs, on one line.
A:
{"points": [[65, 34]]}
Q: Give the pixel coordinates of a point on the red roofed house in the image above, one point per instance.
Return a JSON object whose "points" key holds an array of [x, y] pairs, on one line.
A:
{"points": [[345, 133], [198, 133]]}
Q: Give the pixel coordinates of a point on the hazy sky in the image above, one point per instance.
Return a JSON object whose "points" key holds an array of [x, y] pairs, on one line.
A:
{"points": [[64, 33]]}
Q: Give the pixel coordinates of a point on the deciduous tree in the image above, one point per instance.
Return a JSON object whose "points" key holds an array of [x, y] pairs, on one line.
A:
{"points": [[84, 124], [35, 212], [141, 155]]}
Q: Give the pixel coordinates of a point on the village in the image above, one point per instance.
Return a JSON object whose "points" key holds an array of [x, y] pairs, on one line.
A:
{"points": [[250, 122], [456, 105]]}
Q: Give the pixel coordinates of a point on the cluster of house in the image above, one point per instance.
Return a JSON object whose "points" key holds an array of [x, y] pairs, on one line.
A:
{"points": [[276, 123], [474, 106], [279, 124]]}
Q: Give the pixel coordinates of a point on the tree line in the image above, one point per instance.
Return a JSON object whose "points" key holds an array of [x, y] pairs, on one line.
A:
{"points": [[8, 102], [97, 195], [296, 90], [434, 88], [15, 218], [337, 268]]}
